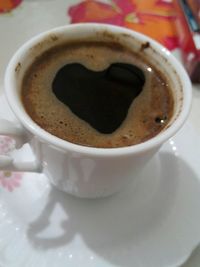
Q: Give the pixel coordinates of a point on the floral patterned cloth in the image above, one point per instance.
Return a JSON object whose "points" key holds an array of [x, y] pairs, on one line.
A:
{"points": [[8, 5], [8, 180], [153, 17]]}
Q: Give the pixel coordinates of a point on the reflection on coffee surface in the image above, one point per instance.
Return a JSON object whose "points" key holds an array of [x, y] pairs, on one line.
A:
{"points": [[97, 94]]}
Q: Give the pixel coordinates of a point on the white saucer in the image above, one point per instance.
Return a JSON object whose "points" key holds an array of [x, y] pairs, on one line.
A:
{"points": [[153, 223]]}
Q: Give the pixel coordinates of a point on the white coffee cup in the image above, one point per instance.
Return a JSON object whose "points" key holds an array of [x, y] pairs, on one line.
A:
{"points": [[79, 170]]}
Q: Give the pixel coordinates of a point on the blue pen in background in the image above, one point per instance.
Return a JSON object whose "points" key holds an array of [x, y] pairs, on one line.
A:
{"points": [[192, 22]]}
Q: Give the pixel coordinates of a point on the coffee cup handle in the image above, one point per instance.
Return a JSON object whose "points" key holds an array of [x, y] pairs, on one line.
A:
{"points": [[7, 162]]}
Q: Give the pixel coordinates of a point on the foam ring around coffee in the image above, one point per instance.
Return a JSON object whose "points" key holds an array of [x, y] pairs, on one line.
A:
{"points": [[97, 94]]}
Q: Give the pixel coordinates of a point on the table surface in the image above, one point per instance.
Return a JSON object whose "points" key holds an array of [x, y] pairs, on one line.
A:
{"points": [[33, 17]]}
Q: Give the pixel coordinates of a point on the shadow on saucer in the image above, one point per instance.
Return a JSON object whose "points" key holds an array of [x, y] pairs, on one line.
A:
{"points": [[194, 259], [118, 228]]}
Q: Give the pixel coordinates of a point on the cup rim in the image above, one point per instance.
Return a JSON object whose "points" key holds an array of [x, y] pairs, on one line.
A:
{"points": [[35, 129]]}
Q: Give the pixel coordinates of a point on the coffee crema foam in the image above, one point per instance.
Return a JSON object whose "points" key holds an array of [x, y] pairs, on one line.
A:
{"points": [[148, 114]]}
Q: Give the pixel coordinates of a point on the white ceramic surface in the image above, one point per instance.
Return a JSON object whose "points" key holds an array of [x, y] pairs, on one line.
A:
{"points": [[19, 250]]}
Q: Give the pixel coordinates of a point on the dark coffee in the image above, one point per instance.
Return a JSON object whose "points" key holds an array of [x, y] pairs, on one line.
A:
{"points": [[101, 98], [97, 94]]}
